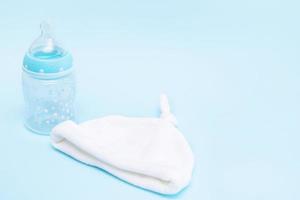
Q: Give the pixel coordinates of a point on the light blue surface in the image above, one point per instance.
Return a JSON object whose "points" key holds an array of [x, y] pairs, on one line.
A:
{"points": [[231, 70]]}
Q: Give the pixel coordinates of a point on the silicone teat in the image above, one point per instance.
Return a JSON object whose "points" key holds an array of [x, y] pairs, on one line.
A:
{"points": [[45, 46]]}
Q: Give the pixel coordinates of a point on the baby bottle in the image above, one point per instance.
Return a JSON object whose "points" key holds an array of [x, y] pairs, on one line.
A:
{"points": [[48, 83]]}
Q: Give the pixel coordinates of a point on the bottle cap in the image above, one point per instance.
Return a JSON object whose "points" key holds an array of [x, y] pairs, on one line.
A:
{"points": [[46, 55]]}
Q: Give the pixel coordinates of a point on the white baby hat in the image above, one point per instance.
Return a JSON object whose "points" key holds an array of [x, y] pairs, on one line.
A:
{"points": [[148, 152]]}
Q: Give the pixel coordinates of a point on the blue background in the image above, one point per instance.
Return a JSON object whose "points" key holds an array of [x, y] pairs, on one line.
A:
{"points": [[230, 68]]}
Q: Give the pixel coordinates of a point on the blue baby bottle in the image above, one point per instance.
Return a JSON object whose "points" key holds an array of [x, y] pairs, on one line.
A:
{"points": [[48, 83]]}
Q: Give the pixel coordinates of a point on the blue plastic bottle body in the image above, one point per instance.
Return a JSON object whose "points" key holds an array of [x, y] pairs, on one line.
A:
{"points": [[49, 100]]}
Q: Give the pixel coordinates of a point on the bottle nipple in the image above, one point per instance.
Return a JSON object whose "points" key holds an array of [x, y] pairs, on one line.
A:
{"points": [[45, 33], [45, 46]]}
